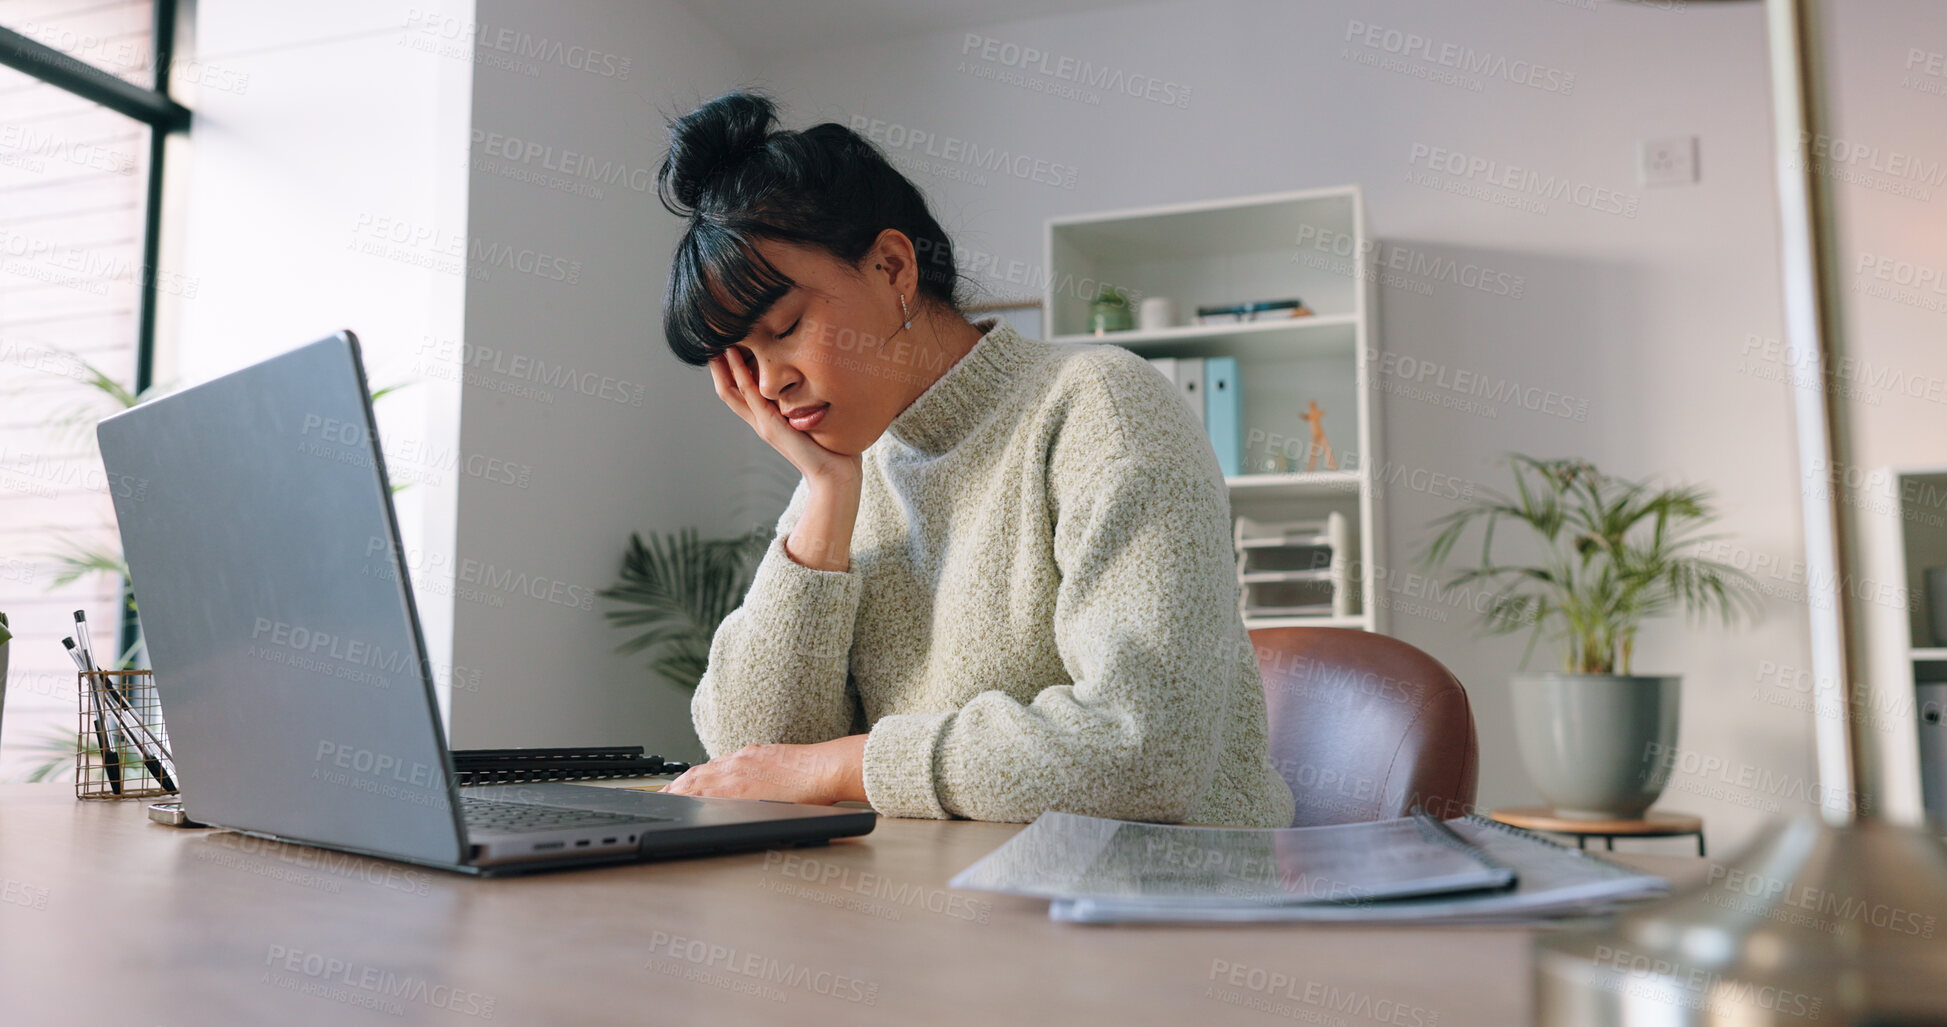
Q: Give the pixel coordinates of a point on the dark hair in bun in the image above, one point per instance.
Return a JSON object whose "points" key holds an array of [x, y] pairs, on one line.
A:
{"points": [[738, 181]]}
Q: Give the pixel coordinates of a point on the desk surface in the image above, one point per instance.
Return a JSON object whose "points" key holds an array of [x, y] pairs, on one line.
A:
{"points": [[213, 927]]}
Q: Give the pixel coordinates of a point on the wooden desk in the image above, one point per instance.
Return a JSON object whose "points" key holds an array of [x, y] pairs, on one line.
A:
{"points": [[107, 918]]}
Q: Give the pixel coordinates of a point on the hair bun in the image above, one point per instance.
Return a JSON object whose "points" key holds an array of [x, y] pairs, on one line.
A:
{"points": [[710, 142]]}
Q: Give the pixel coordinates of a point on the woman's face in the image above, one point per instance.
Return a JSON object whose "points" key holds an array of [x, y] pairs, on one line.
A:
{"points": [[836, 340]]}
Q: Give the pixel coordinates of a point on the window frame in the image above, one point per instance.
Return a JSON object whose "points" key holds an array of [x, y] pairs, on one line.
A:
{"points": [[164, 117]]}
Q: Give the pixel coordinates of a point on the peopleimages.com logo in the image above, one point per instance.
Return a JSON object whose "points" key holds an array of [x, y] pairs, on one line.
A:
{"points": [[1526, 183], [1460, 59], [953, 150], [1033, 60]]}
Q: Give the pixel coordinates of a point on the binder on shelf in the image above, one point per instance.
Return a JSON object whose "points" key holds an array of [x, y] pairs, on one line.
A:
{"points": [[1189, 382], [1186, 373], [1932, 696], [1221, 418], [1340, 531]]}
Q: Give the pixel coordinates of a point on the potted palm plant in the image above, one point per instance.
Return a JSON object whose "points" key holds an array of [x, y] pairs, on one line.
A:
{"points": [[677, 589], [1614, 553]]}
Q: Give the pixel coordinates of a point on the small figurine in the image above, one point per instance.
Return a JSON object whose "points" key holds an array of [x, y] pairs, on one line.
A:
{"points": [[1315, 416]]}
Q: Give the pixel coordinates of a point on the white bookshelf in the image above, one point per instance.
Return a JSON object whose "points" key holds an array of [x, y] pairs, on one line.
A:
{"points": [[1913, 504], [1312, 244], [1905, 511]]}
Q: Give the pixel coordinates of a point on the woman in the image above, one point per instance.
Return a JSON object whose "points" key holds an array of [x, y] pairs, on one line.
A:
{"points": [[1005, 582]]}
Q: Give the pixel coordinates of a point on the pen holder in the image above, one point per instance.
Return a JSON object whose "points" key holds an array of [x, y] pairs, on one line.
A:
{"points": [[136, 746]]}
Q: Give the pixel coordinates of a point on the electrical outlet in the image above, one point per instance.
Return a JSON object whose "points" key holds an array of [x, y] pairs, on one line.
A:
{"points": [[1668, 161]]}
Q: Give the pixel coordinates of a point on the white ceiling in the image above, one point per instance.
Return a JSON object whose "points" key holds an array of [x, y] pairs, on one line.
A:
{"points": [[780, 26]]}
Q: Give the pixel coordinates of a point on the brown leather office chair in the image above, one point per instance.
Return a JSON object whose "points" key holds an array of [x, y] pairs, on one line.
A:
{"points": [[1364, 726]]}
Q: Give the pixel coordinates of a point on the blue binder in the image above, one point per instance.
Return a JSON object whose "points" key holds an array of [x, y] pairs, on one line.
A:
{"points": [[1222, 411]]}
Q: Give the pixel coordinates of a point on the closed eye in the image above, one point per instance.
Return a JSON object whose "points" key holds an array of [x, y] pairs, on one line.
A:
{"points": [[793, 328]]}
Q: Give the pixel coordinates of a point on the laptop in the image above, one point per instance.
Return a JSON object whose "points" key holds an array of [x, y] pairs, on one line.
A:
{"points": [[265, 556]]}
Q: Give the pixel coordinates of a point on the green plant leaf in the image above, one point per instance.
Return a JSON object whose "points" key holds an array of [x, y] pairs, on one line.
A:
{"points": [[57, 749], [677, 590], [79, 559], [387, 390], [1614, 553]]}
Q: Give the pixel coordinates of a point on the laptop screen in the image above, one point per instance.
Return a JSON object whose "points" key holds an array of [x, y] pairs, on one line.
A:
{"points": [[264, 554]]}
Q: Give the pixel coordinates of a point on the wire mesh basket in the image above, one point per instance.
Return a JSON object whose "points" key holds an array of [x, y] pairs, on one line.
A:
{"points": [[121, 749]]}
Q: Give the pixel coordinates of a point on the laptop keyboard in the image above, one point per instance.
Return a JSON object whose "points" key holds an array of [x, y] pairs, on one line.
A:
{"points": [[491, 814]]}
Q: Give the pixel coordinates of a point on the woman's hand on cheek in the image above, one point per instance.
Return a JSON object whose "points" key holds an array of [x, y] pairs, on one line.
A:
{"points": [[792, 773], [737, 387]]}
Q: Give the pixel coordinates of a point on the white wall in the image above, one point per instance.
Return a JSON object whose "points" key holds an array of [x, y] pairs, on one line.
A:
{"points": [[320, 132], [569, 380], [1644, 322]]}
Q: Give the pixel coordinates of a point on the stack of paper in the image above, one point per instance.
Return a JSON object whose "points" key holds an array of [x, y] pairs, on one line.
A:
{"points": [[1413, 869]]}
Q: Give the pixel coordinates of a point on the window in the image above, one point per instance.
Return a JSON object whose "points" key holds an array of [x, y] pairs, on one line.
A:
{"points": [[83, 111]]}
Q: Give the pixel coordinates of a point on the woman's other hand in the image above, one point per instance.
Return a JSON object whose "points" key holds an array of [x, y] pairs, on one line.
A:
{"points": [[819, 774]]}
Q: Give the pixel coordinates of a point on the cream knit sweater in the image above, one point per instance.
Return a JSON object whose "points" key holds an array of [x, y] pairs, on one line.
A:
{"points": [[1041, 610]]}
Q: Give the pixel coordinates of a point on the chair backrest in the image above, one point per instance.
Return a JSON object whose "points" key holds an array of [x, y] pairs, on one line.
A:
{"points": [[1364, 726]]}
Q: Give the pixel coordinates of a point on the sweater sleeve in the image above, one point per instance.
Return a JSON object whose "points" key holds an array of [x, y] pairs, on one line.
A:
{"points": [[1145, 615], [778, 669]]}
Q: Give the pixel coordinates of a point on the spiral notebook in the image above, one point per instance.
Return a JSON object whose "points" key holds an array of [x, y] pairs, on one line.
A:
{"points": [[1552, 881], [1068, 856]]}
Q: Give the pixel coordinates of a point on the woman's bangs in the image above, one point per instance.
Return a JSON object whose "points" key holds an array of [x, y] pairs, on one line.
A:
{"points": [[721, 287]]}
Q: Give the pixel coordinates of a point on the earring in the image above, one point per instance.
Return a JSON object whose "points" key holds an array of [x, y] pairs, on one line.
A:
{"points": [[903, 310]]}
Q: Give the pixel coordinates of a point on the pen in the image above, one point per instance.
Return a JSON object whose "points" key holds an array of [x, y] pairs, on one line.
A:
{"points": [[88, 656], [127, 720], [89, 666], [110, 762], [81, 637]]}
